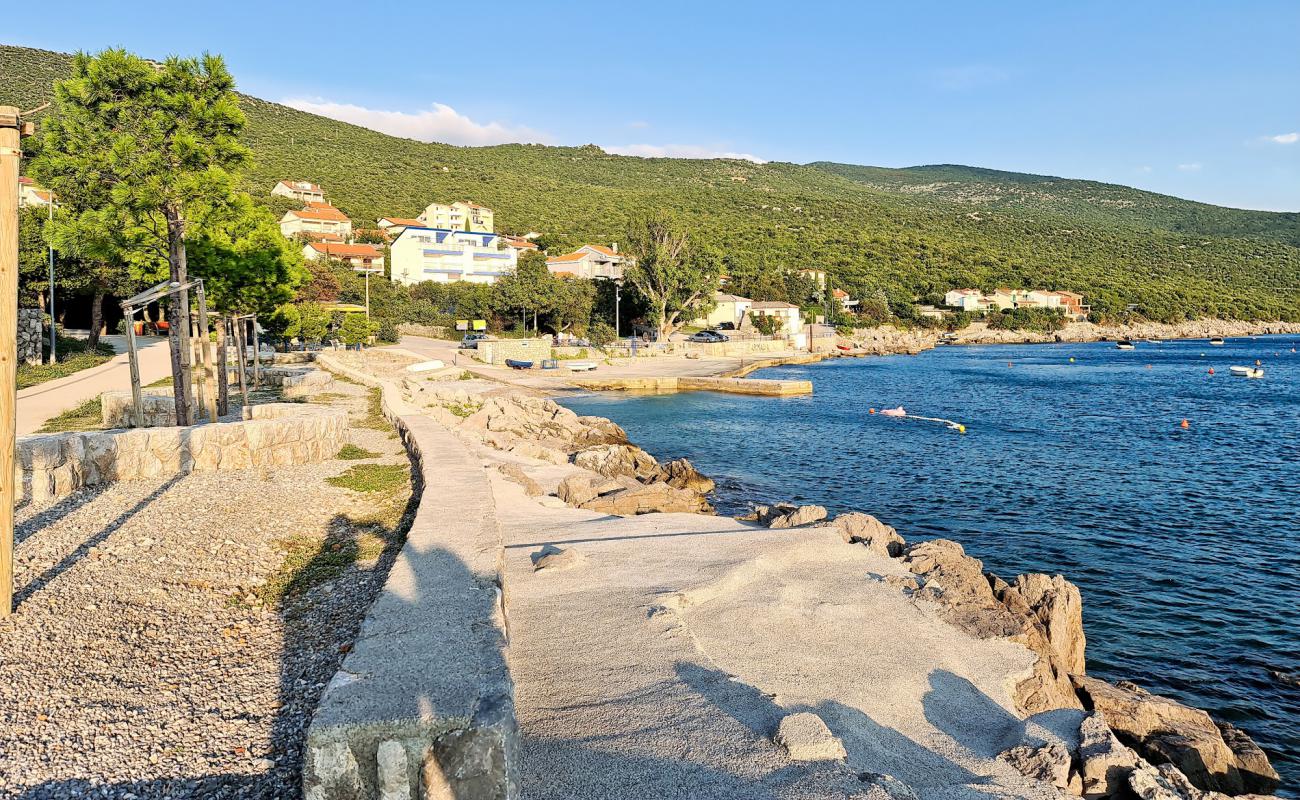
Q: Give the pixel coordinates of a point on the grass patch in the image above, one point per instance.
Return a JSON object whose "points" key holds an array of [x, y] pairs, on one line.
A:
{"points": [[309, 561], [74, 356], [462, 410], [351, 452], [375, 419], [372, 477], [466, 375], [326, 397], [85, 417]]}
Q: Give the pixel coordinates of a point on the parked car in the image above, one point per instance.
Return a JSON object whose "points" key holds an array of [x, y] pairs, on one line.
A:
{"points": [[707, 337], [471, 340]]}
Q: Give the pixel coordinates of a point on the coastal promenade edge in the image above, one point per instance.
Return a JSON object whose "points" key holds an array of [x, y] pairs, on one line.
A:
{"points": [[423, 705]]}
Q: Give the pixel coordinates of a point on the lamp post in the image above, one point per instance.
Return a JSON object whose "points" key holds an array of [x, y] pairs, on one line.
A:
{"points": [[54, 356]]}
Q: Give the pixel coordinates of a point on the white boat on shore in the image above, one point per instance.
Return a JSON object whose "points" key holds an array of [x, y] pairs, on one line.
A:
{"points": [[1247, 372], [1124, 344]]}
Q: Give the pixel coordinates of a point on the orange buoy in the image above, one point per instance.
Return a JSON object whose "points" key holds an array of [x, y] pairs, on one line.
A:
{"points": [[1211, 370], [1184, 424], [871, 411]]}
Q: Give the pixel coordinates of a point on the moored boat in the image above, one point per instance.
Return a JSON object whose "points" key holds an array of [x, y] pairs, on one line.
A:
{"points": [[1247, 372], [1217, 341], [1124, 344]]}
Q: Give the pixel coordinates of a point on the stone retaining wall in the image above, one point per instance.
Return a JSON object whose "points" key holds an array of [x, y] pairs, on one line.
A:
{"points": [[50, 466], [117, 409], [30, 329], [757, 386], [496, 351], [423, 706]]}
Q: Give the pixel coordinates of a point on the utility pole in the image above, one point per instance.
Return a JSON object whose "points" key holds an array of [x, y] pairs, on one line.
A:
{"points": [[11, 128]]}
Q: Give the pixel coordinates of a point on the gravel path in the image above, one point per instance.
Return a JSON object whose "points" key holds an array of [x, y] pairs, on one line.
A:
{"points": [[148, 656]]}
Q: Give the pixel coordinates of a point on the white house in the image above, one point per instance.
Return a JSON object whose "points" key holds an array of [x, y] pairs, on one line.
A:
{"points": [[788, 313], [846, 302], [444, 256], [316, 218], [459, 216], [365, 256], [965, 299], [29, 194], [589, 261], [728, 308], [391, 226], [304, 191]]}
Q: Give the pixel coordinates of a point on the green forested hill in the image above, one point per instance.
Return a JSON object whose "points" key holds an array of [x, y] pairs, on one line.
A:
{"points": [[904, 232]]}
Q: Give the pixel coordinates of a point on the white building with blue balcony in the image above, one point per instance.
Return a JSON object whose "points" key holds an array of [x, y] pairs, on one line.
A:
{"points": [[444, 256]]}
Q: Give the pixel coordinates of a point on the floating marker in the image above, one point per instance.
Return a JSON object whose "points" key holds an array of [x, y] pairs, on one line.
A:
{"points": [[1184, 424], [1008, 363], [1071, 359], [871, 411], [1211, 370], [1148, 366]]}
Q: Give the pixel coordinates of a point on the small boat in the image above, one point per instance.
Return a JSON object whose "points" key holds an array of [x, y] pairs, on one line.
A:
{"points": [[1247, 372], [514, 364], [1125, 344], [1217, 341], [843, 347], [894, 412], [581, 366]]}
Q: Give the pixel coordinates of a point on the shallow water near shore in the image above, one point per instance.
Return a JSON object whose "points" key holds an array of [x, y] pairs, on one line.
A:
{"points": [[1185, 542]]}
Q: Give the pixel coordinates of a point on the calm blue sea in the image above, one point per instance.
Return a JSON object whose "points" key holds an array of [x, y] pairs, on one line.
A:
{"points": [[1185, 542]]}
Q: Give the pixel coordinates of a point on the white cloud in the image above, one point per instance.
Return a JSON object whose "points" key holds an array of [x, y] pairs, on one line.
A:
{"points": [[1285, 138], [441, 123], [679, 151], [1194, 167]]}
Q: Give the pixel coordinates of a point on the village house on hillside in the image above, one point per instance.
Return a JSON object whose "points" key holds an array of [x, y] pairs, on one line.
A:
{"points": [[728, 309], [302, 191], [316, 218], [590, 261], [1071, 303], [788, 313], [845, 300], [29, 194], [520, 244], [392, 226], [433, 254], [363, 256], [459, 216]]}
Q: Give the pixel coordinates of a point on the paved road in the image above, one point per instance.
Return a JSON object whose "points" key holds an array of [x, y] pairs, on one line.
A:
{"points": [[37, 404]]}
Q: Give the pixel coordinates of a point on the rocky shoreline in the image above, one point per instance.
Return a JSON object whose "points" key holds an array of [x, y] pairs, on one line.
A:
{"points": [[1122, 741], [888, 340]]}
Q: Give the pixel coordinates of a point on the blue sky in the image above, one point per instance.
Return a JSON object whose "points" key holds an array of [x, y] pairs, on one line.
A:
{"points": [[1195, 99]]}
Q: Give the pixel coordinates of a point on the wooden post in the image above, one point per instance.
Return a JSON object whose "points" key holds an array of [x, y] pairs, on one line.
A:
{"points": [[133, 357], [196, 358], [257, 357], [239, 362], [205, 353], [9, 155], [223, 369]]}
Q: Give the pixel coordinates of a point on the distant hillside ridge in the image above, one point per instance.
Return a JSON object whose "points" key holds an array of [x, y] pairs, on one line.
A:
{"points": [[894, 234]]}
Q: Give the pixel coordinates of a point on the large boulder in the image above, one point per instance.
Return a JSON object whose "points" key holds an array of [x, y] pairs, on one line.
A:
{"points": [[542, 421], [615, 460], [859, 528], [1165, 731], [1104, 763], [580, 488], [1057, 606], [799, 517], [1049, 763], [633, 498], [972, 600], [683, 475], [1257, 774]]}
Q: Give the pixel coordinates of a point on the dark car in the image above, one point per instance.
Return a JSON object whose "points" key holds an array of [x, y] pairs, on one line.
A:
{"points": [[471, 340], [707, 337]]}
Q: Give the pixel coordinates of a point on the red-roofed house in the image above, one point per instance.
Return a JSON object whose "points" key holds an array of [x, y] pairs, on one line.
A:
{"points": [[846, 302], [29, 194], [518, 243], [304, 191], [367, 256], [393, 226], [316, 218], [590, 261]]}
